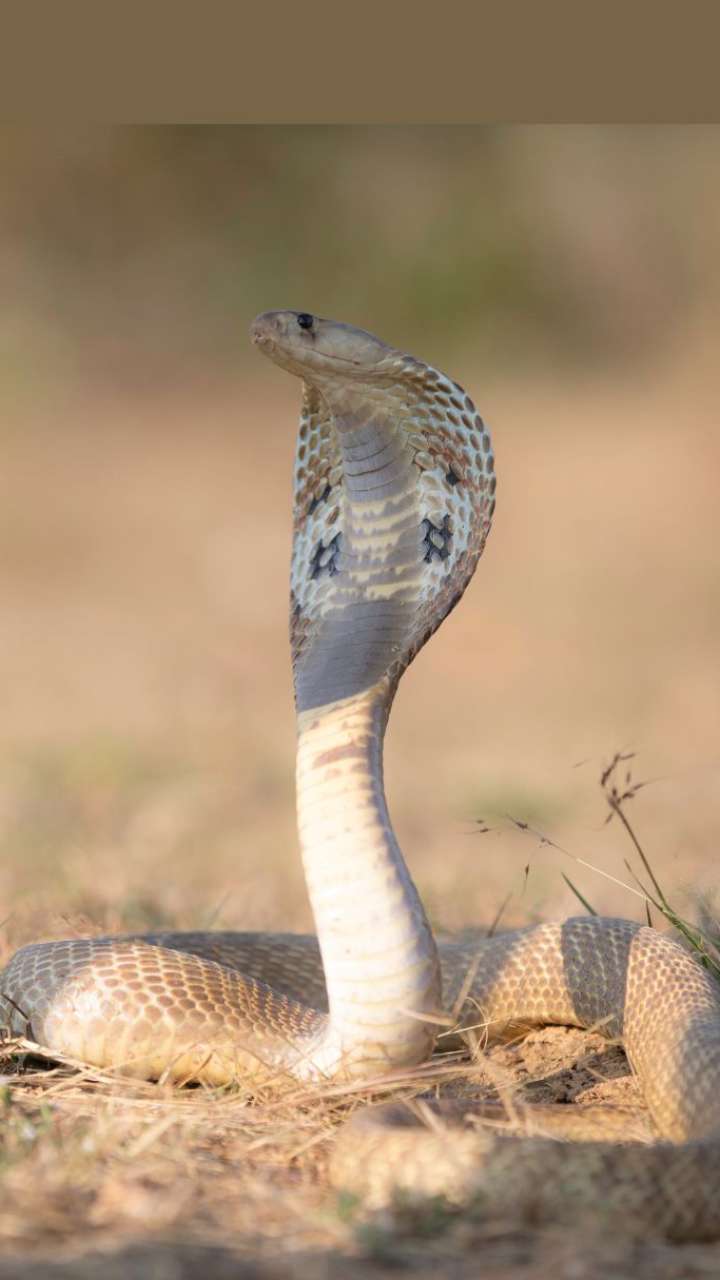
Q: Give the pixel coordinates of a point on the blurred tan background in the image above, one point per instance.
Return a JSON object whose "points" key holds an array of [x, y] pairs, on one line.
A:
{"points": [[569, 278]]}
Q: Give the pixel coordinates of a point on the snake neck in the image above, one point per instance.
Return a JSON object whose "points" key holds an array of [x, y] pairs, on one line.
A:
{"points": [[379, 956]]}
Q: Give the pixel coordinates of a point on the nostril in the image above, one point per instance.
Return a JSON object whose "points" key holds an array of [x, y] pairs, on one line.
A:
{"points": [[258, 332]]}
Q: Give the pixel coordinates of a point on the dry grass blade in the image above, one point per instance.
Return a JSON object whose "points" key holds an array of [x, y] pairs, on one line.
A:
{"points": [[547, 841], [580, 897]]}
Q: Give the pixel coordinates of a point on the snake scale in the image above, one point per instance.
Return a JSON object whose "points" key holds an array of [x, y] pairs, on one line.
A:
{"points": [[394, 494]]}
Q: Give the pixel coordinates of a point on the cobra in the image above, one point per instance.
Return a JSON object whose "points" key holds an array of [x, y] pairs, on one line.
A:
{"points": [[393, 499]]}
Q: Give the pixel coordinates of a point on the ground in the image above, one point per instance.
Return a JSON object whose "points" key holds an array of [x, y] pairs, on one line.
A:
{"points": [[146, 747]]}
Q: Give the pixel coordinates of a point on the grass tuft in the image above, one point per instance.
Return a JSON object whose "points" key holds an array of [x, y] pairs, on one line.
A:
{"points": [[619, 789]]}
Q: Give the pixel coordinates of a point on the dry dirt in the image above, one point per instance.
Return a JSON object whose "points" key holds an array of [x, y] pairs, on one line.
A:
{"points": [[146, 745]]}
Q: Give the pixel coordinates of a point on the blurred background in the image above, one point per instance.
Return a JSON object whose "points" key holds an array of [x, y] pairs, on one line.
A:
{"points": [[569, 278]]}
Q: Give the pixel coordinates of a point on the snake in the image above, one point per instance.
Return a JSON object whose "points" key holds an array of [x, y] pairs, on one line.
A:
{"points": [[394, 492]]}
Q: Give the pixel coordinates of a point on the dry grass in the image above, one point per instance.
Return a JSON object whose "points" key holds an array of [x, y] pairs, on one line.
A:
{"points": [[115, 1159], [146, 745]]}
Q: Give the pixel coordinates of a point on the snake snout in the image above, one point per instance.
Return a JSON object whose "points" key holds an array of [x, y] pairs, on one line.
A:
{"points": [[263, 328]]}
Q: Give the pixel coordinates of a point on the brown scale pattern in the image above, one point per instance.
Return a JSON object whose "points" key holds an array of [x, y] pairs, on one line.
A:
{"points": [[454, 436], [644, 1190], [227, 1006], [139, 1005], [626, 980], [316, 513], [443, 430], [629, 982]]}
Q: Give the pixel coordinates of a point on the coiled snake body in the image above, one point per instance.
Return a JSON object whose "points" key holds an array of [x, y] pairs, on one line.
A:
{"points": [[394, 485]]}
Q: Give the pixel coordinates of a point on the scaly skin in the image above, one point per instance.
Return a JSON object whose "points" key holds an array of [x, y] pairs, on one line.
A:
{"points": [[394, 485]]}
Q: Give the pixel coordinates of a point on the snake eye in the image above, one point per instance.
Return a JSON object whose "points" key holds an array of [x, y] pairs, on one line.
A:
{"points": [[305, 320]]}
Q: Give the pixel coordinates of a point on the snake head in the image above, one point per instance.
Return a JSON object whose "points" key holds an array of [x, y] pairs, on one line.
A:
{"points": [[311, 347]]}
